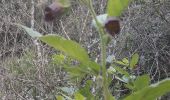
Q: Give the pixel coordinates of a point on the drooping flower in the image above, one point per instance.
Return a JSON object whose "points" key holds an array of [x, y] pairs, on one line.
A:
{"points": [[112, 26]]}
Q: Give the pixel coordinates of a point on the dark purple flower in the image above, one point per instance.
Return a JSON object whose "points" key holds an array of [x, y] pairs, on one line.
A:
{"points": [[112, 26], [52, 11]]}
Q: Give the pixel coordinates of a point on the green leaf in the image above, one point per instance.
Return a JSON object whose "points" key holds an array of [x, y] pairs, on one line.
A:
{"points": [[65, 3], [116, 7], [69, 47], [111, 70], [78, 72], [75, 72], [93, 67], [85, 91], [121, 71], [151, 92], [125, 78], [120, 63], [129, 86], [30, 31], [121, 79], [78, 96], [125, 60], [69, 90], [125, 3], [141, 82], [111, 97], [58, 58], [60, 98], [134, 60]]}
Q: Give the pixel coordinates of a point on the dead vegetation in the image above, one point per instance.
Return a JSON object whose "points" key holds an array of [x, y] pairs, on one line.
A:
{"points": [[145, 29]]}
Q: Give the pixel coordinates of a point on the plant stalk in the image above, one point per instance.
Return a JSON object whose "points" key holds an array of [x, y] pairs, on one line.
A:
{"points": [[103, 53]]}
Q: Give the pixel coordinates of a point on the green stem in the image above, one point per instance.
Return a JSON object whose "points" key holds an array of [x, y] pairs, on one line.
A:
{"points": [[103, 53]]}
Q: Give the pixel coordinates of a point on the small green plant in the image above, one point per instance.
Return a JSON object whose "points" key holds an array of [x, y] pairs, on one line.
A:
{"points": [[75, 60]]}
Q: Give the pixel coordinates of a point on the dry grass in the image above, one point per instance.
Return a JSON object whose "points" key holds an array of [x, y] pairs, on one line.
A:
{"points": [[149, 36], [147, 25]]}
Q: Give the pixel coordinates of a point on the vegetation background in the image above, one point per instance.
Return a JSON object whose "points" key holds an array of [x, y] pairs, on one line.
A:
{"points": [[144, 29]]}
